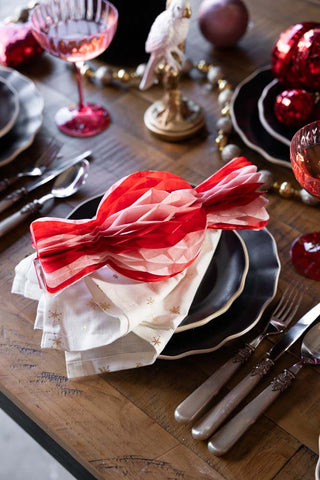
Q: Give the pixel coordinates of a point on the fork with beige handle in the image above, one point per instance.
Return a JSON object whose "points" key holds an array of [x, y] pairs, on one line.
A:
{"points": [[199, 400]]}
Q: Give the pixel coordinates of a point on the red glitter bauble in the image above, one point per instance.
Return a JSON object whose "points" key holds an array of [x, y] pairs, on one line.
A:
{"points": [[283, 53], [307, 59], [294, 107]]}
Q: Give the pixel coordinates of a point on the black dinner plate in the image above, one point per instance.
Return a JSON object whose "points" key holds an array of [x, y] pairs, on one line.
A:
{"points": [[9, 107], [245, 312], [267, 116], [246, 121]]}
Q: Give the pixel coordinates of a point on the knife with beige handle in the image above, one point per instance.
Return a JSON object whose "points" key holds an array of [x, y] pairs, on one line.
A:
{"points": [[230, 433], [210, 422]]}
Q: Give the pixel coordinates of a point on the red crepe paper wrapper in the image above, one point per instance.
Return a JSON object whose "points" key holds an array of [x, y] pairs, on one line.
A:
{"points": [[17, 44], [149, 226]]}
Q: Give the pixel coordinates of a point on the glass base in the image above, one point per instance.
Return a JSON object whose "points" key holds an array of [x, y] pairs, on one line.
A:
{"points": [[87, 121], [305, 255]]}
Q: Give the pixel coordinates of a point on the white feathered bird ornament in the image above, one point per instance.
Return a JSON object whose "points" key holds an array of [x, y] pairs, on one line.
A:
{"points": [[168, 31]]}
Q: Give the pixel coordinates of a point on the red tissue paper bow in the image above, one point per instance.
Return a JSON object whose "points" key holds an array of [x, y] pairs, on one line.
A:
{"points": [[149, 225]]}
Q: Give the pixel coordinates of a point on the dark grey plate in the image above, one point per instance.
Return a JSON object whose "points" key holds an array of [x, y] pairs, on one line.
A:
{"points": [[267, 116], [29, 119], [222, 283], [260, 288], [9, 107], [246, 121]]}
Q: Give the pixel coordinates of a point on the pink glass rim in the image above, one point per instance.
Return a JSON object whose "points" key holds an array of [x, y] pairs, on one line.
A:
{"points": [[305, 137], [299, 133], [35, 25]]}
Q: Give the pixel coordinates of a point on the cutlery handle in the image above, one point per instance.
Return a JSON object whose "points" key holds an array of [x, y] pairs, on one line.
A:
{"points": [[216, 416], [12, 198], [16, 218], [7, 182], [196, 403], [230, 433]]}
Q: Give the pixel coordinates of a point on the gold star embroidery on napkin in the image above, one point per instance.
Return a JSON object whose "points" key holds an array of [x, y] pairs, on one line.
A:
{"points": [[55, 315], [156, 341], [84, 327], [175, 310], [149, 300], [56, 342], [92, 305]]}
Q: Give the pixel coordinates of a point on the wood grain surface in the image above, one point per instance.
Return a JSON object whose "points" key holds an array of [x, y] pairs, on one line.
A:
{"points": [[121, 425]]}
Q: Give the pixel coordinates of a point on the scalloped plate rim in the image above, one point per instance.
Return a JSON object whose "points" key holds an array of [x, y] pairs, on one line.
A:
{"points": [[196, 351], [30, 140], [237, 128]]}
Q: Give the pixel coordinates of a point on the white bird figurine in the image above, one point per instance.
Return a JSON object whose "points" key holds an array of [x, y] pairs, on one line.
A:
{"points": [[167, 32]]}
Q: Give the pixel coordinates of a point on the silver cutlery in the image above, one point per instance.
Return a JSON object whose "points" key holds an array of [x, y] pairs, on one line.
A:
{"points": [[228, 435], [214, 418], [198, 401], [48, 175], [65, 185], [41, 165]]}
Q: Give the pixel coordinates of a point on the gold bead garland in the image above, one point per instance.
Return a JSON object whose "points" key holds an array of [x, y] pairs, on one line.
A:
{"points": [[215, 78]]}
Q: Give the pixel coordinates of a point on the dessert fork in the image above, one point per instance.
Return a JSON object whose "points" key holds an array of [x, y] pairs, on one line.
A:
{"points": [[197, 402], [36, 170]]}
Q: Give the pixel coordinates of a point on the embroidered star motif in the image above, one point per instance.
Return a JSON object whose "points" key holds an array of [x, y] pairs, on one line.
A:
{"points": [[56, 342], [93, 305], [156, 341], [175, 310], [149, 300], [55, 315], [84, 327]]}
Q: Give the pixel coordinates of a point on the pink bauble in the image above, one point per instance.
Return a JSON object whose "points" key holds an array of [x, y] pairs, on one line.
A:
{"points": [[223, 22]]}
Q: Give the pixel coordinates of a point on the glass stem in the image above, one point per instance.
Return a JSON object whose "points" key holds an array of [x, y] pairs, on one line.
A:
{"points": [[78, 66]]}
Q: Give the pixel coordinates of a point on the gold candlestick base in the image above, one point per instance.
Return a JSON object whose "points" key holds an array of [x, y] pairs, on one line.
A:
{"points": [[174, 118]]}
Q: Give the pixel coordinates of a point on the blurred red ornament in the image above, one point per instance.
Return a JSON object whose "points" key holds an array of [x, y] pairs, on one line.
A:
{"points": [[292, 63], [307, 59], [294, 107], [282, 57], [223, 22], [17, 44]]}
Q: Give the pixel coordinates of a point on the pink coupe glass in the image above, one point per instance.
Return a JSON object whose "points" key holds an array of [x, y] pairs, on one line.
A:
{"points": [[76, 31], [305, 161]]}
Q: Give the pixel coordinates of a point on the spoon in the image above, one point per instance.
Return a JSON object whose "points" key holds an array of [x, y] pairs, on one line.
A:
{"points": [[229, 434], [66, 184]]}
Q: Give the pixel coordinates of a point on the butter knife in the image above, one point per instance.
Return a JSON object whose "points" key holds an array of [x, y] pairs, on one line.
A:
{"points": [[209, 423], [16, 195]]}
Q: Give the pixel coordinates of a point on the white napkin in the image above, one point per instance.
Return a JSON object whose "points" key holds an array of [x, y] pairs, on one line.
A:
{"points": [[108, 322]]}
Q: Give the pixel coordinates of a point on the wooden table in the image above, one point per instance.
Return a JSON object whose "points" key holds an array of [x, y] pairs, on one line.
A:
{"points": [[121, 425]]}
